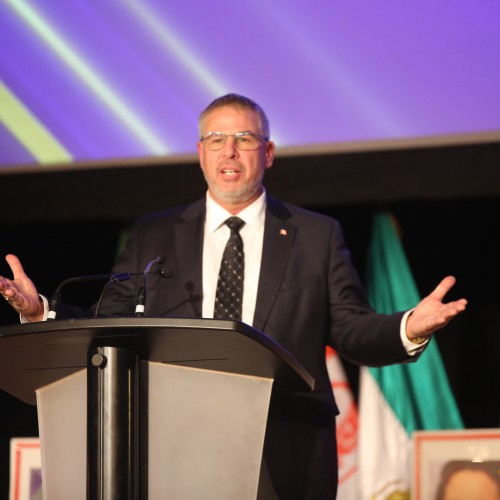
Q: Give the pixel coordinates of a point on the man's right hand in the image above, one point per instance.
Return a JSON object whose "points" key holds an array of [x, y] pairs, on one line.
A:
{"points": [[20, 292]]}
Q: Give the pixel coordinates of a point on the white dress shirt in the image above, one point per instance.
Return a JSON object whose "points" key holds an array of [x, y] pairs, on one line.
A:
{"points": [[214, 242]]}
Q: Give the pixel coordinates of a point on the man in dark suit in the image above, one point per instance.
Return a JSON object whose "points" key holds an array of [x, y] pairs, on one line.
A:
{"points": [[299, 288]]}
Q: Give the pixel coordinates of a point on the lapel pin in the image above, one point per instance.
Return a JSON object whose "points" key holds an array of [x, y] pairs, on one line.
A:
{"points": [[283, 232]]}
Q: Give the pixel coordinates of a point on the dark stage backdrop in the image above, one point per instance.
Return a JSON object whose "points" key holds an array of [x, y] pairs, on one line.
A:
{"points": [[440, 237]]}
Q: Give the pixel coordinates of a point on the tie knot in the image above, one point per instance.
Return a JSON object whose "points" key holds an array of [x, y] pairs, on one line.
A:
{"points": [[234, 223]]}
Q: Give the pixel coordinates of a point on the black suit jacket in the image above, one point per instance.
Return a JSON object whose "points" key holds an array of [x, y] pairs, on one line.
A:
{"points": [[309, 296]]}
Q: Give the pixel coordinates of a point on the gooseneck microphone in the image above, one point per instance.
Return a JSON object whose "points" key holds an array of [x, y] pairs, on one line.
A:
{"points": [[56, 296], [140, 304], [114, 278], [111, 278]]}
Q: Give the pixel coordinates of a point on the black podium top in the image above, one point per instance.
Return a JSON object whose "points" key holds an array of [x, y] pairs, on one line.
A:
{"points": [[36, 354]]}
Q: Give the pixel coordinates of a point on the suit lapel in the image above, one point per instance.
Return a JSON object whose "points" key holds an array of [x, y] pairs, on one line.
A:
{"points": [[278, 240], [279, 236], [188, 238]]}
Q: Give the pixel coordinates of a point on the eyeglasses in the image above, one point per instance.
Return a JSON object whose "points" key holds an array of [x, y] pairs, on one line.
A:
{"points": [[245, 141]]}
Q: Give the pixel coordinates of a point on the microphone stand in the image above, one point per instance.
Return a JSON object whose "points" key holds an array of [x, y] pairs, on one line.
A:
{"points": [[56, 296]]}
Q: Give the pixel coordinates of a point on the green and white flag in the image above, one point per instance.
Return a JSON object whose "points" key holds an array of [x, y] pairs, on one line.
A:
{"points": [[396, 400]]}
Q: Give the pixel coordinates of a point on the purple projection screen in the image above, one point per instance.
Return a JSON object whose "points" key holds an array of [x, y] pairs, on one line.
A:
{"points": [[92, 81]]}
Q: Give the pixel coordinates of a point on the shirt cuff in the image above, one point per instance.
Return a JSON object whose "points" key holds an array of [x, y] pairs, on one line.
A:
{"points": [[411, 348], [45, 310]]}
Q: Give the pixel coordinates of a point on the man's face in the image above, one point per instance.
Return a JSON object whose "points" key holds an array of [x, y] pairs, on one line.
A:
{"points": [[234, 177], [471, 485]]}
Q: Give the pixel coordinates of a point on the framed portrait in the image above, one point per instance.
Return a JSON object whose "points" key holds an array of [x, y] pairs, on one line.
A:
{"points": [[25, 469], [443, 460]]}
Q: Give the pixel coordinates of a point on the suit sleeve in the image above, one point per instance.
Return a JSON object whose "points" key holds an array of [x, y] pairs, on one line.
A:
{"points": [[356, 331]]}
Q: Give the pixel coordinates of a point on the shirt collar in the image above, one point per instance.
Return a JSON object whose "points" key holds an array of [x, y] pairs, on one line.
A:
{"points": [[216, 215]]}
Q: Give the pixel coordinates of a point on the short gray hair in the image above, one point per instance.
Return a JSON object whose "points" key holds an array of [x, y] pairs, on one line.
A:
{"points": [[236, 100]]}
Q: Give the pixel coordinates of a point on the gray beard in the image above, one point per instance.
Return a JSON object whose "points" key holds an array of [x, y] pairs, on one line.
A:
{"points": [[239, 196]]}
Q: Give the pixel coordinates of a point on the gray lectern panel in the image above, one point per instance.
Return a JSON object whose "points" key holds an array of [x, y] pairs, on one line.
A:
{"points": [[37, 354]]}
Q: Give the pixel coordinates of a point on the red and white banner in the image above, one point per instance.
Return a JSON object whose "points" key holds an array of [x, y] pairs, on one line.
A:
{"points": [[347, 428]]}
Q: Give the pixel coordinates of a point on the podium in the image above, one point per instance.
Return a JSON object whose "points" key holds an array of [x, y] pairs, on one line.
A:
{"points": [[136, 385]]}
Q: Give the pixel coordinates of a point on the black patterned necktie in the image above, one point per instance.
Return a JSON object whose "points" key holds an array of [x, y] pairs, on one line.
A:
{"points": [[229, 296]]}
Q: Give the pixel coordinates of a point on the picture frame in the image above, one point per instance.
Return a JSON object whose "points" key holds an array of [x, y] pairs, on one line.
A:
{"points": [[438, 454], [25, 469]]}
